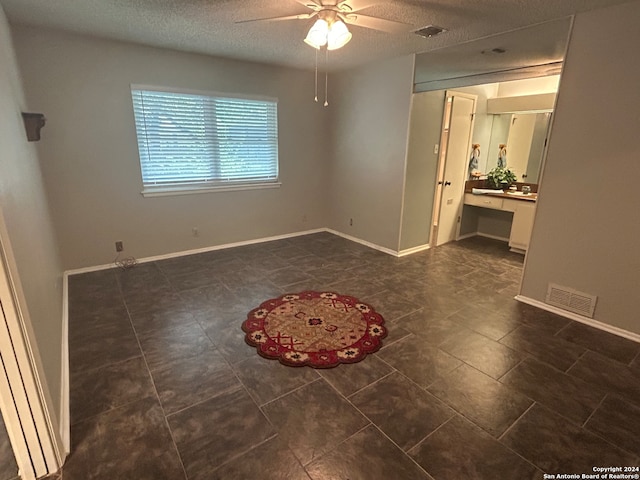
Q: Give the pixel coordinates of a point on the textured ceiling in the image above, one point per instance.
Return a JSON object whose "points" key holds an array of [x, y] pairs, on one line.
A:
{"points": [[510, 53], [208, 26]]}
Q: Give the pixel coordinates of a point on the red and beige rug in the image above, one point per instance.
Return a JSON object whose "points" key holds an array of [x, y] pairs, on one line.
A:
{"points": [[318, 329]]}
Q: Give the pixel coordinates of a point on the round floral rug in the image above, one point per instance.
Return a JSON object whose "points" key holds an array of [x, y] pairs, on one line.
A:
{"points": [[318, 329]]}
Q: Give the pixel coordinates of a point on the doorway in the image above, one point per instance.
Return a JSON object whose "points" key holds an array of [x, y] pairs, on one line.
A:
{"points": [[455, 141]]}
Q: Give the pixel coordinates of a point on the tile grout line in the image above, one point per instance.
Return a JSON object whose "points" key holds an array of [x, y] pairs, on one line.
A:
{"points": [[374, 425], [634, 359], [448, 420], [566, 371], [604, 439], [516, 421], [244, 452], [499, 379], [584, 424], [305, 465], [155, 389], [290, 391]]}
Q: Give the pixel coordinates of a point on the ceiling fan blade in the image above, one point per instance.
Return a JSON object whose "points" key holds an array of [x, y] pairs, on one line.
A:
{"points": [[376, 23], [302, 16], [348, 6], [312, 4]]}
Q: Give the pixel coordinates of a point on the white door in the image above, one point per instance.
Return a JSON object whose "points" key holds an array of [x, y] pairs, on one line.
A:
{"points": [[457, 129]]}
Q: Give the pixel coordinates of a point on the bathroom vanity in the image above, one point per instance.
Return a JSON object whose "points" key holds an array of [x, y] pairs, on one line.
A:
{"points": [[519, 212]]}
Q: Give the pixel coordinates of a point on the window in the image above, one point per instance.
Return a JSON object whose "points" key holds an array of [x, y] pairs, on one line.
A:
{"points": [[193, 142]]}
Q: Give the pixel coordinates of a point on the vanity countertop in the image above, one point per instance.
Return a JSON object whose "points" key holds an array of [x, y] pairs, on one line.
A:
{"points": [[469, 185], [531, 197]]}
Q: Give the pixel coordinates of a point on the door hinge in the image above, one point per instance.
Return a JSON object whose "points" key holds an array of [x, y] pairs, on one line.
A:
{"points": [[458, 218]]}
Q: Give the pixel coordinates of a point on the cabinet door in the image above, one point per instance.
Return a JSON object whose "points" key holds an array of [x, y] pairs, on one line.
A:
{"points": [[522, 226]]}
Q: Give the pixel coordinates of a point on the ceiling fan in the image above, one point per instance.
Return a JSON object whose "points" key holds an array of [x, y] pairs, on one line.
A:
{"points": [[329, 29]]}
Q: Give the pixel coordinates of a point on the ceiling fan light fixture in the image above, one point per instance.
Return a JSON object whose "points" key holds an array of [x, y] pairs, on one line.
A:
{"points": [[317, 36], [338, 36]]}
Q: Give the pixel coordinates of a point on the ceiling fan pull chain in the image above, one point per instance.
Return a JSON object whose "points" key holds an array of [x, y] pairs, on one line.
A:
{"points": [[316, 91], [326, 79]]}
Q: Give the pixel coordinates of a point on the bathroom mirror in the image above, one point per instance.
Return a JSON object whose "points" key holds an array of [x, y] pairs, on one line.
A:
{"points": [[525, 136]]}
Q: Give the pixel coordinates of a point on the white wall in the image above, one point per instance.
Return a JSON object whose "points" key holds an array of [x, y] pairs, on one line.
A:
{"points": [[587, 227], [90, 156], [370, 108], [26, 231], [529, 86], [425, 129]]}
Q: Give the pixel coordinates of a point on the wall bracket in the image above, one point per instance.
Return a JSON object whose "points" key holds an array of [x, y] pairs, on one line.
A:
{"points": [[33, 122]]}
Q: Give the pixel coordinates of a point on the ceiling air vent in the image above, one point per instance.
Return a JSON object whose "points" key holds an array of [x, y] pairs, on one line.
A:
{"points": [[430, 31], [571, 300]]}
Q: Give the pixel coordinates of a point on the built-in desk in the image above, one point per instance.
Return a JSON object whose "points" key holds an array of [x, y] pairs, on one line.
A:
{"points": [[523, 208]]}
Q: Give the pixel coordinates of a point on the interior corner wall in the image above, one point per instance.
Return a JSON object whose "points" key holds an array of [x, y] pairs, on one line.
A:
{"points": [[587, 224], [89, 151], [27, 234], [370, 108]]}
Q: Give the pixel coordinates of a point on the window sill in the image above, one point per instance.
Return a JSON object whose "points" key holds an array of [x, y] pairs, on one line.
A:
{"points": [[191, 190]]}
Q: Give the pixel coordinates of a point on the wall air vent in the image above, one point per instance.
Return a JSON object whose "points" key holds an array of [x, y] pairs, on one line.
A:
{"points": [[571, 300], [429, 31]]}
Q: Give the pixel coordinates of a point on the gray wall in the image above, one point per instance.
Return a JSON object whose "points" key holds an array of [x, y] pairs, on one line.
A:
{"points": [[27, 234], [90, 155], [425, 129], [587, 226], [370, 109], [485, 221]]}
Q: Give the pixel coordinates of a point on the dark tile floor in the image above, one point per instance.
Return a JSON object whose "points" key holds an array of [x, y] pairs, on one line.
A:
{"points": [[8, 466], [469, 384]]}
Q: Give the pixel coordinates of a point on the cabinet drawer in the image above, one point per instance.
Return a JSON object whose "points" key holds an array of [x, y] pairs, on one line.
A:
{"points": [[483, 201]]}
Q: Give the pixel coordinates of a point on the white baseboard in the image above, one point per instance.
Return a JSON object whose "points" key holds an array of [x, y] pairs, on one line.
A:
{"points": [[409, 251], [467, 235], [155, 258], [485, 235], [65, 414], [493, 237], [362, 242], [197, 250], [580, 318]]}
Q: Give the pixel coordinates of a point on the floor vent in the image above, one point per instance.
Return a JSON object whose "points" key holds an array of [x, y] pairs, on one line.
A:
{"points": [[572, 300]]}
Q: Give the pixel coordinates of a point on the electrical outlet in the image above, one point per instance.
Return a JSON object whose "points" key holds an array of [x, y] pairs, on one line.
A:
{"points": [[195, 232], [119, 246], [351, 222], [304, 219]]}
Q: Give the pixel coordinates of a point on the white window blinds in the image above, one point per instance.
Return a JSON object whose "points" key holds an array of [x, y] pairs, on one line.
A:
{"points": [[200, 140]]}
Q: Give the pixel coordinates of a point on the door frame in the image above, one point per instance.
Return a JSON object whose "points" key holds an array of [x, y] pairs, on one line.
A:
{"points": [[442, 160]]}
